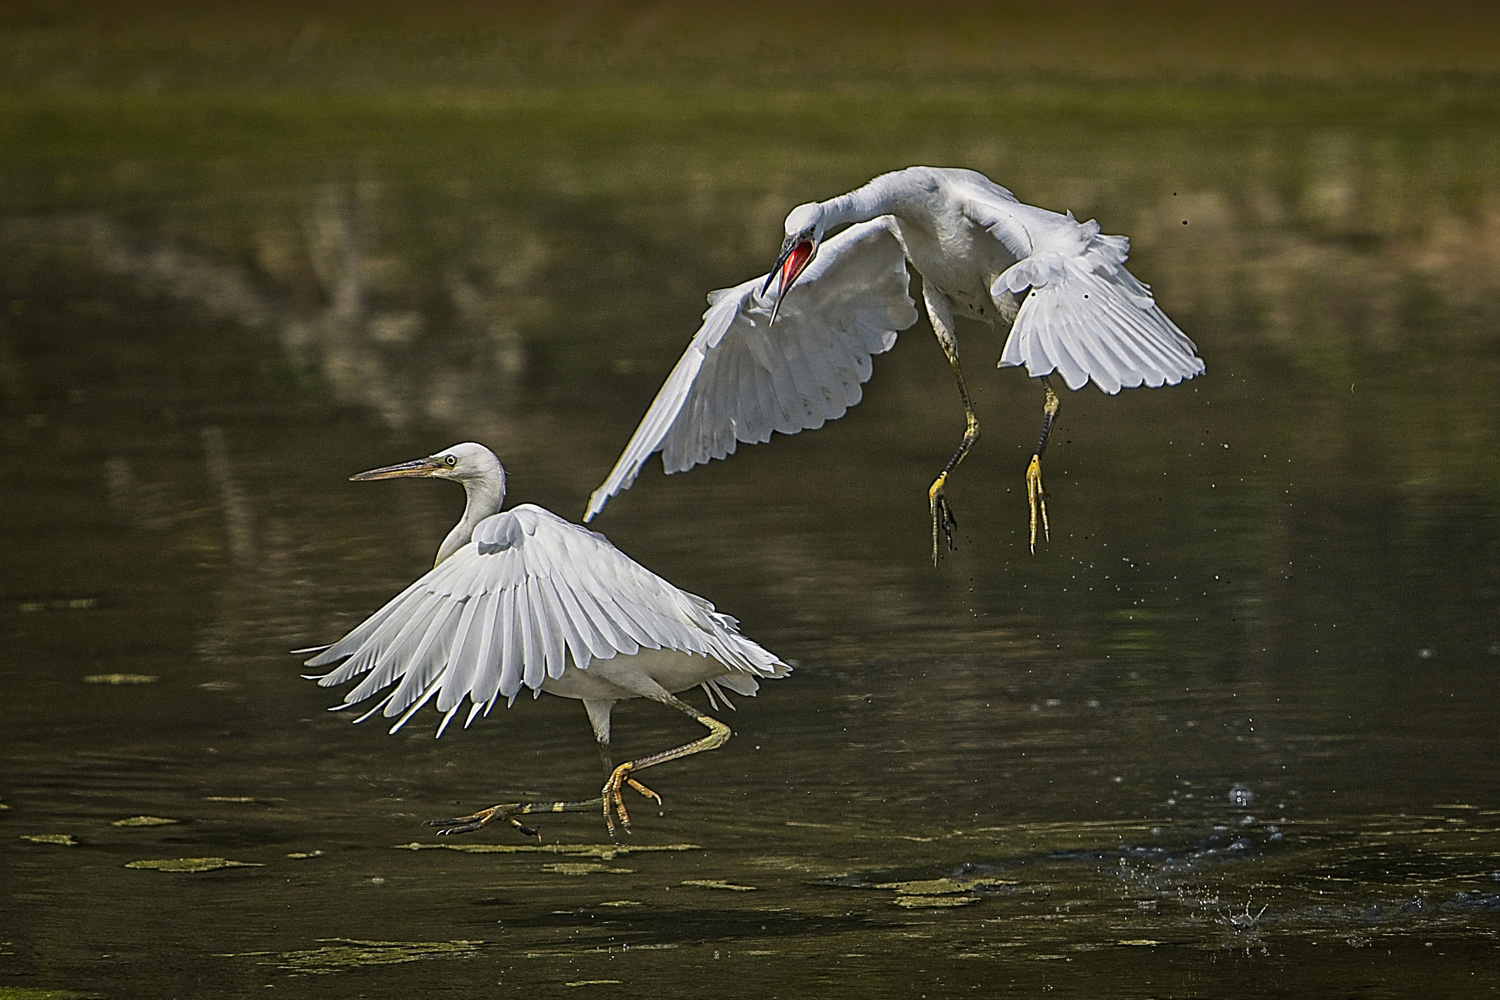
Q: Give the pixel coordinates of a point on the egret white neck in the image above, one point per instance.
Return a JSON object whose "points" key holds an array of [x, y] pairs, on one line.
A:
{"points": [[483, 497]]}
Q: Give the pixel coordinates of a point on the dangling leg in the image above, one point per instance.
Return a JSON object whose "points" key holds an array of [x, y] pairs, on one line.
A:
{"points": [[941, 316], [599, 712], [1035, 495], [718, 735]]}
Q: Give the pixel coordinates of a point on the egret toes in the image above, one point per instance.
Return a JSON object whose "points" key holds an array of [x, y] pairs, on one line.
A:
{"points": [[1036, 496], [942, 517], [508, 811], [619, 779], [484, 817]]}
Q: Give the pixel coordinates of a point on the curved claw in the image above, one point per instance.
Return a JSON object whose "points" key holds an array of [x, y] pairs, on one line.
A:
{"points": [[1036, 497], [475, 821], [942, 518], [614, 801]]}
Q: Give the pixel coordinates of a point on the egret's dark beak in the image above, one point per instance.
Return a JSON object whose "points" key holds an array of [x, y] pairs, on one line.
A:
{"points": [[796, 252], [421, 467]]}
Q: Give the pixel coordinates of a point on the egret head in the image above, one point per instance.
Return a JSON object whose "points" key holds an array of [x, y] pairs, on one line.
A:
{"points": [[804, 232], [467, 462]]}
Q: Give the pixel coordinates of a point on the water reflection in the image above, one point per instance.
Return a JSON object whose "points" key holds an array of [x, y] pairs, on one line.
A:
{"points": [[1280, 583], [319, 286]]}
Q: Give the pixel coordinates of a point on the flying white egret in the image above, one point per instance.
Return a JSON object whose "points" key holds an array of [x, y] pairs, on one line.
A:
{"points": [[790, 362], [524, 599]]}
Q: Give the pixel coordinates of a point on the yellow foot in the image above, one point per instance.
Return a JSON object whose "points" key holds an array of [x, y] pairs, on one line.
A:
{"points": [[942, 517], [468, 824], [1036, 496], [614, 801]]}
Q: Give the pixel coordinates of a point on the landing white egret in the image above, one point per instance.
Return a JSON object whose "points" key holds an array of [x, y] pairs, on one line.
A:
{"points": [[522, 599], [790, 361]]}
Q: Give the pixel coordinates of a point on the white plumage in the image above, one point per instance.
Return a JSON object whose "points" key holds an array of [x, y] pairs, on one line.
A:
{"points": [[840, 301], [523, 599], [740, 378]]}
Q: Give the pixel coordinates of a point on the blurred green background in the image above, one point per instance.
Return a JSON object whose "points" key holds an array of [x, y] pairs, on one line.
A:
{"points": [[246, 251]]}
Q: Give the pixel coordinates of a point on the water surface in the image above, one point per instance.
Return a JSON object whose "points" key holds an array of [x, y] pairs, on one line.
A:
{"points": [[1231, 731]]}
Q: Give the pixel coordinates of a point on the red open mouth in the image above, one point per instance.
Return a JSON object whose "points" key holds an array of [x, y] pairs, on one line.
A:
{"points": [[794, 263]]}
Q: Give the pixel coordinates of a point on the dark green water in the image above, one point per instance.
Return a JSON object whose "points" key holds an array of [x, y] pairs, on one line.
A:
{"points": [[1011, 775]]}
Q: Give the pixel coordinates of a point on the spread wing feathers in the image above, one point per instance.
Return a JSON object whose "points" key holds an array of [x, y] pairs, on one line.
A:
{"points": [[741, 378], [1087, 317], [527, 594]]}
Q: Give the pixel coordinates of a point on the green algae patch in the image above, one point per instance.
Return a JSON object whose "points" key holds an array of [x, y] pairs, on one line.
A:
{"points": [[119, 680], [622, 903], [304, 855], [925, 892], [145, 821], [193, 864], [594, 982], [934, 902], [603, 852], [228, 798], [60, 839], [584, 868], [923, 887], [343, 954], [927, 886], [718, 883]]}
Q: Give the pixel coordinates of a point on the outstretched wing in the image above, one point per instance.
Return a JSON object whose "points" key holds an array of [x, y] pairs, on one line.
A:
{"points": [[1087, 317], [509, 609], [742, 378]]}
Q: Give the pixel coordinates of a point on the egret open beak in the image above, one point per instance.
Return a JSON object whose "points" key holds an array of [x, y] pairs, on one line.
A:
{"points": [[795, 255], [420, 467]]}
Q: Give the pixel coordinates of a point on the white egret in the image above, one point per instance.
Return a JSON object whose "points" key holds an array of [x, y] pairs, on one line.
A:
{"points": [[790, 362], [524, 599]]}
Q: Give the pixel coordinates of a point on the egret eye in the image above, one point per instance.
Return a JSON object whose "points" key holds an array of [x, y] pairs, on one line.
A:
{"points": [[450, 461]]}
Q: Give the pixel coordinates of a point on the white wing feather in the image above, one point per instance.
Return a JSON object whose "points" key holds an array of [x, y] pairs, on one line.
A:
{"points": [[1087, 317], [508, 610], [741, 378]]}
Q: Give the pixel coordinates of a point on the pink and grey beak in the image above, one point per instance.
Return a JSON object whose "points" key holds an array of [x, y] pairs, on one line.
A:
{"points": [[796, 252], [420, 467]]}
